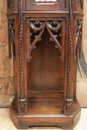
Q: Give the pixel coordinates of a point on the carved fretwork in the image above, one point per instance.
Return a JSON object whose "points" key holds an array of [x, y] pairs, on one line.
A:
{"points": [[10, 4], [11, 27], [79, 38], [79, 4], [38, 28], [54, 26]]}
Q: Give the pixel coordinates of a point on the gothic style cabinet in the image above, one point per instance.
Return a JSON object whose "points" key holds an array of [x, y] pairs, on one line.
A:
{"points": [[45, 39]]}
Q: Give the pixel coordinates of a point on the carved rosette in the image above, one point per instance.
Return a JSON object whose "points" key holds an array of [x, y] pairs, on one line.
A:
{"points": [[38, 28], [11, 37]]}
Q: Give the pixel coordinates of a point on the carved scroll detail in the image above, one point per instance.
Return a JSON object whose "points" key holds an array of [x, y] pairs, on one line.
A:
{"points": [[22, 103], [37, 38], [51, 28], [68, 104], [11, 28], [79, 38], [36, 27], [39, 26]]}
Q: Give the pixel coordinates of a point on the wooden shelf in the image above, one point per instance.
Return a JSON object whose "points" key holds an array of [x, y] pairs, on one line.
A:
{"points": [[45, 106]]}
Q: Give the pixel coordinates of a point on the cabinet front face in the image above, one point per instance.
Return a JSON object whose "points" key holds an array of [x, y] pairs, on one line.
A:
{"points": [[45, 5], [45, 69], [46, 46]]}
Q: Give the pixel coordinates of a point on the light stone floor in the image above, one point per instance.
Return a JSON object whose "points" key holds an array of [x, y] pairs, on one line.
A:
{"points": [[6, 123]]}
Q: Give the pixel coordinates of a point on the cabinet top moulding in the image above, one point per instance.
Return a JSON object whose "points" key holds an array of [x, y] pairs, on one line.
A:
{"points": [[28, 6]]}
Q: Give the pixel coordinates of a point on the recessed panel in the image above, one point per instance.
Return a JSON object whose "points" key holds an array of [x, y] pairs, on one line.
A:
{"points": [[45, 70], [45, 5]]}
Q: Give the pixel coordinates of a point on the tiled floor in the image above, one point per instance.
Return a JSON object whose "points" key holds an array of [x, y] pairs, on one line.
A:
{"points": [[6, 123]]}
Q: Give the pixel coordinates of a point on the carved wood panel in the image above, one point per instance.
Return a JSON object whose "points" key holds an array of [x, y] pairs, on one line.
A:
{"points": [[54, 29]]}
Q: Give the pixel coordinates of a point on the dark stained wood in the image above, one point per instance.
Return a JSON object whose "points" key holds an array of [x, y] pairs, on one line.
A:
{"points": [[45, 94], [41, 106], [45, 39], [48, 5], [44, 70]]}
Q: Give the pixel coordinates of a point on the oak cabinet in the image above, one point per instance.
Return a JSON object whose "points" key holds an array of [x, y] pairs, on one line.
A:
{"points": [[45, 39]]}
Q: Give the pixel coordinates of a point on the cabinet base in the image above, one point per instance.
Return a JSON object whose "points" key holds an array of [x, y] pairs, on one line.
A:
{"points": [[60, 120]]}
